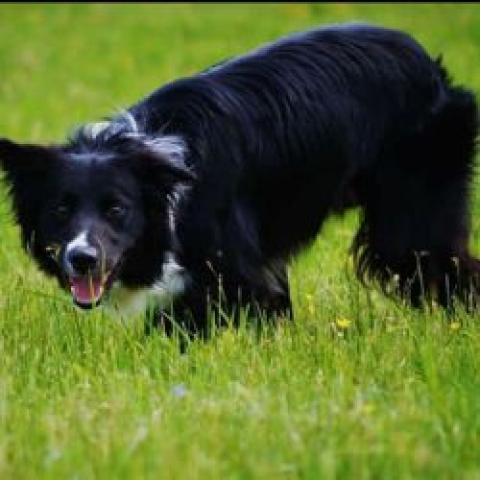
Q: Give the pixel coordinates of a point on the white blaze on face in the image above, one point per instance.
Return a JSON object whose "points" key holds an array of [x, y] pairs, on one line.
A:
{"points": [[80, 241]]}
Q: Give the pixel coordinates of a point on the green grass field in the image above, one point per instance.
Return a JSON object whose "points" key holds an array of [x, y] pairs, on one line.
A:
{"points": [[359, 387]]}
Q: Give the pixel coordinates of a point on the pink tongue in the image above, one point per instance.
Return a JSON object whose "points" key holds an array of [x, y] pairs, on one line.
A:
{"points": [[86, 290]]}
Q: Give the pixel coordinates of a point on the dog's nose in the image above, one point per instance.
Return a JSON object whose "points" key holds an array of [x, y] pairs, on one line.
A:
{"points": [[82, 260]]}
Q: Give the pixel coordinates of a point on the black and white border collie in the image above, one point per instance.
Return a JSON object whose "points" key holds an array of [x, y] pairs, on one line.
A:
{"points": [[198, 196]]}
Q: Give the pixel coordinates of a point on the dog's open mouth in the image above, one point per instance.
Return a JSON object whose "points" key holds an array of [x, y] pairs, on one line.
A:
{"points": [[88, 291]]}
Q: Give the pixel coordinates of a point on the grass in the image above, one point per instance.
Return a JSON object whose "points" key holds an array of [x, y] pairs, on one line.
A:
{"points": [[359, 387]]}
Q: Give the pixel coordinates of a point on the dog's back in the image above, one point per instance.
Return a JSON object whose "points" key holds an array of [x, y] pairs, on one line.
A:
{"points": [[301, 120]]}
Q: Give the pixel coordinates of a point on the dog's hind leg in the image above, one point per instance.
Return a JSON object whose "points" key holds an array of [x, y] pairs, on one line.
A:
{"points": [[415, 226]]}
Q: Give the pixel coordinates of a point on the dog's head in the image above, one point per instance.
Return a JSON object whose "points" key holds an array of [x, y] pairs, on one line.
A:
{"points": [[98, 209]]}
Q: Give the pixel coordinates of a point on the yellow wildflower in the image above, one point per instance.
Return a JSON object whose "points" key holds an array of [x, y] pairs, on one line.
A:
{"points": [[343, 323], [368, 408], [456, 325]]}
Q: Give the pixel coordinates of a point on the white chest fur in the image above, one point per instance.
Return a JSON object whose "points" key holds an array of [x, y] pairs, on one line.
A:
{"points": [[131, 302]]}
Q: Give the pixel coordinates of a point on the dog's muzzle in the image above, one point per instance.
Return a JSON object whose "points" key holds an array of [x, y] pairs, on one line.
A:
{"points": [[85, 272]]}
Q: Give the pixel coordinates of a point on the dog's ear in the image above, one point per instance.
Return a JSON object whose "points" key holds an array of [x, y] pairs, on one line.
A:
{"points": [[163, 163], [25, 167], [16, 158], [163, 169]]}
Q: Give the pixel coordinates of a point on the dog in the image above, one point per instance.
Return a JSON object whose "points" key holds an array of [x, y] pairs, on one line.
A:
{"points": [[194, 200]]}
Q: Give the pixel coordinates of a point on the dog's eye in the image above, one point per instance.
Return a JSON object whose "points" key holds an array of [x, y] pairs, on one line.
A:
{"points": [[116, 212], [62, 212]]}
